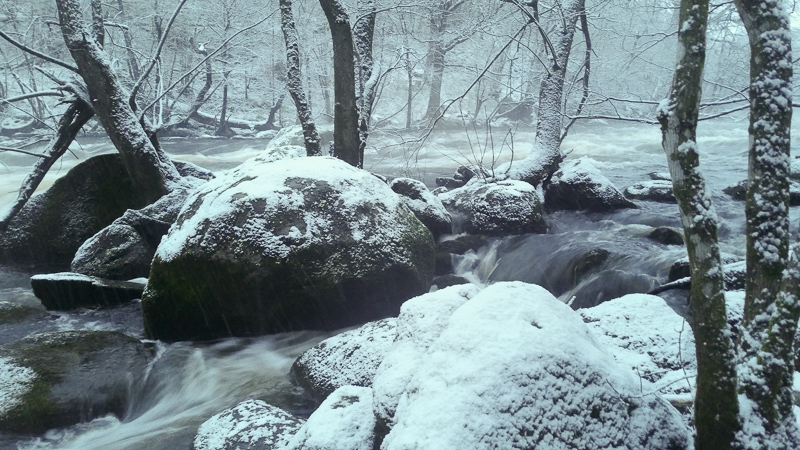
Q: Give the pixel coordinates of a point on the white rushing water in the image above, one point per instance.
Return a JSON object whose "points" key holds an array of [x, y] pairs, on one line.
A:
{"points": [[188, 383]]}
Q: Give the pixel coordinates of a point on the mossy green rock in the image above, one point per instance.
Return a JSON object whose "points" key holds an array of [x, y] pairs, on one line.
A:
{"points": [[15, 313], [308, 243], [59, 379], [50, 228]]}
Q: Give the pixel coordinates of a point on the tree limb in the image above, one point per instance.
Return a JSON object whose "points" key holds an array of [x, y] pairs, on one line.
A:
{"points": [[33, 52]]}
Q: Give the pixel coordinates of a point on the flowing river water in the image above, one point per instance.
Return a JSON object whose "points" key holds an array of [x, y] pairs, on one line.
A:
{"points": [[189, 382]]}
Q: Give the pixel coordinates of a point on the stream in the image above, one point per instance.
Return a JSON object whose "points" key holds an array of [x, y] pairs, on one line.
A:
{"points": [[189, 382]]}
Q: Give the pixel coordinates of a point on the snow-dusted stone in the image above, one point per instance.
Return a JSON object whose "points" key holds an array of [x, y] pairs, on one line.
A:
{"points": [[654, 190], [579, 185], [309, 243], [498, 208], [349, 358], [734, 274], [643, 333], [58, 379], [51, 226], [344, 421], [739, 191], [515, 368], [252, 424], [460, 178], [680, 268], [67, 290], [426, 206], [125, 249], [420, 321]]}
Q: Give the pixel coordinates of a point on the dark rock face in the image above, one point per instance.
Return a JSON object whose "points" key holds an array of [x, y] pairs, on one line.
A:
{"points": [[349, 358], [462, 244], [65, 291], [50, 228], [739, 191], [428, 209], [505, 207], [64, 378], [656, 191], [460, 178], [608, 284], [666, 236], [578, 185], [449, 280], [271, 248]]}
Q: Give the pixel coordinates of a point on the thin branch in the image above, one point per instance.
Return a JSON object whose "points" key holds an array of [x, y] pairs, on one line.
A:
{"points": [[16, 150], [37, 54], [32, 95]]}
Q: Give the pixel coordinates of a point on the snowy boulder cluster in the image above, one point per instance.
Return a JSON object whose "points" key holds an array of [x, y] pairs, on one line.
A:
{"points": [[508, 366], [278, 245]]}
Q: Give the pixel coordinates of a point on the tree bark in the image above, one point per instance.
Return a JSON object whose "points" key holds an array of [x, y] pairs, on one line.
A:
{"points": [[770, 315], [346, 142], [364, 31], [716, 402], [150, 169], [294, 80]]}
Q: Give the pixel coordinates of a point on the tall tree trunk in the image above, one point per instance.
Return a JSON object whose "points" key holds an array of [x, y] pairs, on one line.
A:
{"points": [[133, 64], [150, 169], [436, 67], [223, 129], [294, 80], [770, 315], [716, 402], [346, 143], [364, 32]]}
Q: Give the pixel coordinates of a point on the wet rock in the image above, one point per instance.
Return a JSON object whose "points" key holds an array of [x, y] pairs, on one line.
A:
{"points": [[461, 177], [680, 269], [309, 243], [52, 226], [67, 290], [734, 275], [15, 313], [587, 263], [656, 191], [252, 424], [578, 185], [426, 206], [462, 244], [344, 421], [608, 284], [739, 191], [349, 358], [444, 264], [58, 379], [498, 208], [666, 236], [449, 280], [125, 249], [512, 367], [663, 176]]}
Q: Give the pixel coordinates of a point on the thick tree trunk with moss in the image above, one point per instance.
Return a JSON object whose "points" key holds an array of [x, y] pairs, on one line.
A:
{"points": [[771, 314], [346, 142], [716, 402], [294, 80], [149, 168]]}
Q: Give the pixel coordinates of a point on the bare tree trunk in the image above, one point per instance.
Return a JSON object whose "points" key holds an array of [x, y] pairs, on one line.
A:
{"points": [[150, 169], [770, 315], [74, 118], [346, 143], [436, 66], [223, 129], [364, 31], [716, 402], [133, 64], [294, 80]]}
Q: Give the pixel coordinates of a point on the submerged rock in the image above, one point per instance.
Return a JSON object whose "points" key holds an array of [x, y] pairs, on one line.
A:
{"points": [[309, 243], [578, 185], [349, 358], [51, 226], [428, 209], [15, 313], [58, 379], [512, 367], [666, 236], [498, 208], [66, 290], [252, 424]]}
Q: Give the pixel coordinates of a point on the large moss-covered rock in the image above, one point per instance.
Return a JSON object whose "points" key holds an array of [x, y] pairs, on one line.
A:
{"points": [[308, 243], [59, 379], [49, 229]]}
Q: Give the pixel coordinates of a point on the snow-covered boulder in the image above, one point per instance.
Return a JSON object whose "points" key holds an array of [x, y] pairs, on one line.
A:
{"points": [[344, 421], [67, 290], [309, 243], [512, 367], [52, 226], [252, 424], [349, 358], [498, 208], [643, 333], [426, 206], [654, 190], [53, 380], [579, 185]]}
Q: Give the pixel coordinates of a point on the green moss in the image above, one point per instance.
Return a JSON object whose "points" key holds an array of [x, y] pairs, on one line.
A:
{"points": [[13, 313]]}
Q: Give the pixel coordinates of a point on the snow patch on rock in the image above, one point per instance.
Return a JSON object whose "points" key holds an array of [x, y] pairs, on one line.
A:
{"points": [[15, 382], [250, 424], [344, 421]]}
